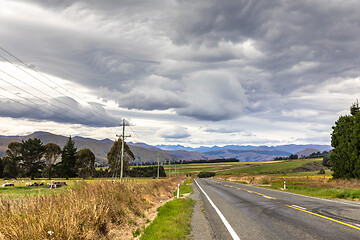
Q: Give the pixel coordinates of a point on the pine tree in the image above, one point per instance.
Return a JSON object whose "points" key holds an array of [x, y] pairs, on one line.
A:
{"points": [[345, 139], [68, 160], [32, 151]]}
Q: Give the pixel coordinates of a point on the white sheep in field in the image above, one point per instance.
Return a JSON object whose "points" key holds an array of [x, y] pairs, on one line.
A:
{"points": [[29, 184]]}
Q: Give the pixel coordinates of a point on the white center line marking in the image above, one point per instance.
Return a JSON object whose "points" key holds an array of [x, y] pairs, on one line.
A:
{"points": [[299, 207], [223, 219]]}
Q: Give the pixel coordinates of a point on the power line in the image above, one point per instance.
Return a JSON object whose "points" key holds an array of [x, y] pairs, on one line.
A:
{"points": [[42, 76], [135, 134], [24, 99], [40, 92], [34, 95], [62, 109]]}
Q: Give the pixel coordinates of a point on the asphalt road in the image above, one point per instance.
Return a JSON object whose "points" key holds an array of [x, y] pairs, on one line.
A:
{"points": [[237, 211]]}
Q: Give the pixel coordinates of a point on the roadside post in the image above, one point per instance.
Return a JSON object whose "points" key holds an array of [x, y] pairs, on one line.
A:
{"points": [[284, 185], [178, 190]]}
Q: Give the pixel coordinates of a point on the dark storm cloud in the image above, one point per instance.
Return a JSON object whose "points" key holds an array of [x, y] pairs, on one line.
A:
{"points": [[62, 110], [209, 60]]}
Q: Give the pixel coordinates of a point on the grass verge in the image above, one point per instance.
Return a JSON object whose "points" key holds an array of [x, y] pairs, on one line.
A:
{"points": [[185, 188], [320, 191], [174, 218], [173, 221]]}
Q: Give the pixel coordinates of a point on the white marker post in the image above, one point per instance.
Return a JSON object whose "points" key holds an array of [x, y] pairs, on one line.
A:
{"points": [[284, 185], [178, 190]]}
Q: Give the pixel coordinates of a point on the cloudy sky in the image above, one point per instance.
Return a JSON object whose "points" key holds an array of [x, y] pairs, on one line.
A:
{"points": [[184, 72]]}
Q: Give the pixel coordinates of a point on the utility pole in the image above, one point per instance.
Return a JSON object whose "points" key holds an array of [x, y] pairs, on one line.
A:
{"points": [[158, 167], [122, 149], [169, 168]]}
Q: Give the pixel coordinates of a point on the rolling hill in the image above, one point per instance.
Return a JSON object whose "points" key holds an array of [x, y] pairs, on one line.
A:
{"points": [[99, 147]]}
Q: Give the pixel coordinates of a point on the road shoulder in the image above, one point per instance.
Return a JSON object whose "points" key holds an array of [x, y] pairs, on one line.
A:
{"points": [[200, 227]]}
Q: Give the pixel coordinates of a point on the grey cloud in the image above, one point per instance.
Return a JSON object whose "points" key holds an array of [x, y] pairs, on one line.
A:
{"points": [[223, 130], [213, 96], [223, 59], [174, 133], [61, 110]]}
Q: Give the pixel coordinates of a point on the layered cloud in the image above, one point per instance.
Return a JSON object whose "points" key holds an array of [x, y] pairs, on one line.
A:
{"points": [[210, 61]]}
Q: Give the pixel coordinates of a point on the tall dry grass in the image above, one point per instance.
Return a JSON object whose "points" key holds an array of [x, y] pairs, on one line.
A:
{"points": [[87, 211]]}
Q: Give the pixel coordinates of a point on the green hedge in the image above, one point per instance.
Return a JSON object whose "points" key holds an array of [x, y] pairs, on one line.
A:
{"points": [[206, 174]]}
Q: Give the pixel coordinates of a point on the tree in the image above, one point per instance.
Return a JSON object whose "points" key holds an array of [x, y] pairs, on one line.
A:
{"points": [[85, 162], [11, 163], [326, 160], [1, 168], [68, 160], [52, 153], [32, 151], [345, 139], [115, 154]]}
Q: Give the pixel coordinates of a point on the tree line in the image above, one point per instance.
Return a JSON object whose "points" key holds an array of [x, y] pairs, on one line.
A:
{"points": [[317, 154], [31, 158]]}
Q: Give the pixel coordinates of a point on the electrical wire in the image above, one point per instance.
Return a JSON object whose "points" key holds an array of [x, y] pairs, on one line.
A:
{"points": [[12, 55]]}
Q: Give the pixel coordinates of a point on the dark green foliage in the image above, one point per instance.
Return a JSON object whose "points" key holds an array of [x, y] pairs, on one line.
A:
{"points": [[206, 174], [12, 160], [345, 139], [101, 173], [85, 163], [52, 152], [326, 160], [32, 151], [322, 171], [115, 154], [67, 167], [10, 168], [291, 157], [146, 171], [1, 169]]}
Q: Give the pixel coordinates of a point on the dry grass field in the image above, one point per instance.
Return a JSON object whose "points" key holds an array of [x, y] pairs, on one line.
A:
{"points": [[98, 210]]}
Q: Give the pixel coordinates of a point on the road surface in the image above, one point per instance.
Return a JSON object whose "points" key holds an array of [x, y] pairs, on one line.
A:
{"points": [[237, 211]]}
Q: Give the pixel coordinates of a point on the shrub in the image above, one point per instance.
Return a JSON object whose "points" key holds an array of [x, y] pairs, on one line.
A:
{"points": [[206, 174]]}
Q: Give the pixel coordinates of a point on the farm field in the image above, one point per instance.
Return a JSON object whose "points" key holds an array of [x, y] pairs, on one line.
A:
{"points": [[19, 190], [250, 168]]}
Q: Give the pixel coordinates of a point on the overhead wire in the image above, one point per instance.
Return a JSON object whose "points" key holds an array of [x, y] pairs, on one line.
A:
{"points": [[64, 110], [38, 91], [35, 96], [136, 134], [24, 99], [12, 55]]}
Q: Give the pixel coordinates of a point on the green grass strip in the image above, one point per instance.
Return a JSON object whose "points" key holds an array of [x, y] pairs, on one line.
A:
{"points": [[349, 194], [186, 188], [172, 222]]}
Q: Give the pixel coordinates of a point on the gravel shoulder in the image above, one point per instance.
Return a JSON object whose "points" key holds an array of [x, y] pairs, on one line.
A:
{"points": [[200, 226]]}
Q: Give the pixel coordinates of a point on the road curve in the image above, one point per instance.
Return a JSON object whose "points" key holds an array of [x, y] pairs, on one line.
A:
{"points": [[257, 213]]}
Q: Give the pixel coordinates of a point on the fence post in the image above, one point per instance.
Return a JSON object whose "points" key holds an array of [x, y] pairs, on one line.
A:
{"points": [[178, 191]]}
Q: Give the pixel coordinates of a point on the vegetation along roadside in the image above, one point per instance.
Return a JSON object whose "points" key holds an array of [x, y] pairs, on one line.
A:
{"points": [[174, 218]]}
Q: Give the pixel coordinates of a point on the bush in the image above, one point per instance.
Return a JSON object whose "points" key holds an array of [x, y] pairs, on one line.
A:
{"points": [[206, 174], [322, 171]]}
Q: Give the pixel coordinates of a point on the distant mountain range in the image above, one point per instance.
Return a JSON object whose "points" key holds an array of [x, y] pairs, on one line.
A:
{"points": [[148, 153], [291, 148]]}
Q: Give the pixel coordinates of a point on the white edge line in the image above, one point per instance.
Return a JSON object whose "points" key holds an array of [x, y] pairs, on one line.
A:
{"points": [[223, 219]]}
